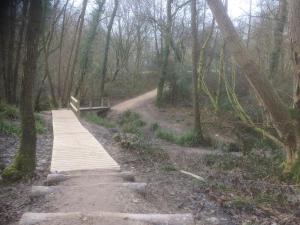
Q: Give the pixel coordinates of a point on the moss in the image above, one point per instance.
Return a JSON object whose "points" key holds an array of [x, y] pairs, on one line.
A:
{"points": [[12, 174], [22, 167]]}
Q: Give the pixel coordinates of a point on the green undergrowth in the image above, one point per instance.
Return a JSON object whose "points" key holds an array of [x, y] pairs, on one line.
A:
{"points": [[246, 197], [8, 111], [168, 167], [187, 139], [10, 121], [94, 118], [131, 122], [133, 137], [255, 165]]}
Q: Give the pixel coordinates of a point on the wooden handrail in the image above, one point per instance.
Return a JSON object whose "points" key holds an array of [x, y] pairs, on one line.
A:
{"points": [[75, 105]]}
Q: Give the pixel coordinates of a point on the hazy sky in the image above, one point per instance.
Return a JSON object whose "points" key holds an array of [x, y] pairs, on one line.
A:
{"points": [[236, 8]]}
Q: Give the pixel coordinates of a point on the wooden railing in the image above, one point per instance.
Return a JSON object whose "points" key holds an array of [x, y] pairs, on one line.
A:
{"points": [[75, 105], [105, 102]]}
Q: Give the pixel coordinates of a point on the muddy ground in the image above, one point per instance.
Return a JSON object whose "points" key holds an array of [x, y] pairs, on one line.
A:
{"points": [[14, 200], [169, 191]]}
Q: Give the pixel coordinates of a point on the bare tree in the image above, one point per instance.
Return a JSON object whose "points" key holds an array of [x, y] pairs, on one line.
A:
{"points": [[25, 160], [195, 74], [86, 49], [76, 45], [106, 49], [280, 22], [165, 53], [284, 124]]}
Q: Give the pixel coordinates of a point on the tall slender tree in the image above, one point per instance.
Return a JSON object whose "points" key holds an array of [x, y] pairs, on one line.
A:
{"points": [[280, 22], [87, 45], [106, 49], [25, 160], [286, 125], [165, 53], [76, 44], [195, 74]]}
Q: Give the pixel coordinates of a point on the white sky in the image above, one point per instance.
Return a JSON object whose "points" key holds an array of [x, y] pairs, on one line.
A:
{"points": [[236, 8]]}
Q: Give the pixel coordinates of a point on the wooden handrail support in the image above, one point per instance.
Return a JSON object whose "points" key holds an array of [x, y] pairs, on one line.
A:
{"points": [[75, 105], [105, 102]]}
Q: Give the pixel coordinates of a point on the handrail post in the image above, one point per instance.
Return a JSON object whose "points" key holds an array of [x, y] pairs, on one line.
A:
{"points": [[75, 105]]}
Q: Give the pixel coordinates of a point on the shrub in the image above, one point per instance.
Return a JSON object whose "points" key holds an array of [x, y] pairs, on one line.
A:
{"points": [[9, 111], [94, 118], [188, 139], [166, 135], [9, 128], [256, 165], [39, 124], [141, 145], [168, 167], [13, 128], [131, 122]]}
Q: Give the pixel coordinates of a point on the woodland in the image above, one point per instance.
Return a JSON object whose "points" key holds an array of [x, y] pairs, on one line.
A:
{"points": [[237, 77]]}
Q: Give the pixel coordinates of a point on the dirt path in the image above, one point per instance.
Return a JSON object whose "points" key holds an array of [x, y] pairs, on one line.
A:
{"points": [[87, 187], [145, 106], [134, 102]]}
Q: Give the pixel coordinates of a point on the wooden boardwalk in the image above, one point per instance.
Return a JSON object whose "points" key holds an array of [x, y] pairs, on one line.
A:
{"points": [[74, 148]]}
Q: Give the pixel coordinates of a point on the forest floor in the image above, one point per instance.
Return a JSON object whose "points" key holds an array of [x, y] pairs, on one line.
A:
{"points": [[14, 198], [238, 189], [230, 194]]}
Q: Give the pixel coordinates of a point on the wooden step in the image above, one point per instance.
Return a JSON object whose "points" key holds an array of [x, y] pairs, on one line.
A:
{"points": [[105, 218], [55, 178], [39, 191]]}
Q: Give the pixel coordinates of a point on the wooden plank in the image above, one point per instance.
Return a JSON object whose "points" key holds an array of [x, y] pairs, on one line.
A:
{"points": [[99, 108], [74, 99], [74, 148]]}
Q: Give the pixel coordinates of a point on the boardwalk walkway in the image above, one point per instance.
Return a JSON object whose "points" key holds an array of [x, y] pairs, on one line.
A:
{"points": [[86, 186], [74, 148]]}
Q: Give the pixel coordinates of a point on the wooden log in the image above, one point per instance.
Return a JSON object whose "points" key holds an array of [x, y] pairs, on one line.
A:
{"points": [[39, 191], [155, 219], [55, 178]]}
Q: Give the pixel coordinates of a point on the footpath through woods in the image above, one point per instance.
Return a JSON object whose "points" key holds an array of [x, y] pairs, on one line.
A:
{"points": [[87, 186]]}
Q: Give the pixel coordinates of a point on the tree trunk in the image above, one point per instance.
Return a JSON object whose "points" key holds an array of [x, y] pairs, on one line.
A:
{"points": [[294, 31], [48, 75], [59, 86], [249, 24], [25, 160], [165, 53], [278, 38], [18, 51], [106, 50], [195, 75], [8, 31], [72, 73], [88, 45], [67, 82], [271, 101]]}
